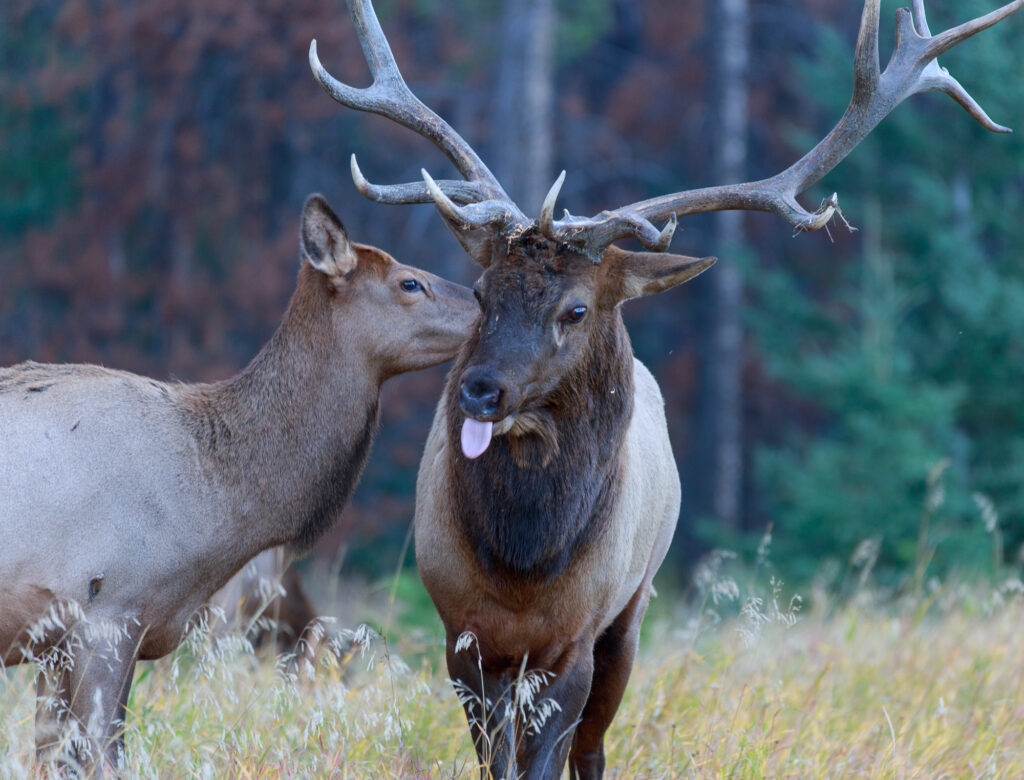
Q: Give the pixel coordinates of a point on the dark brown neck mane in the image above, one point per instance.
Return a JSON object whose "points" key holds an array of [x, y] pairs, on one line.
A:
{"points": [[525, 509]]}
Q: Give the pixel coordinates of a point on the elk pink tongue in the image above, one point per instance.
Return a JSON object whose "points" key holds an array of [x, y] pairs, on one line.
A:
{"points": [[476, 436]]}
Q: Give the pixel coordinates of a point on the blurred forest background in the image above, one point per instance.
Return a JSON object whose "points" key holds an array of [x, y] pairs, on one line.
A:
{"points": [[860, 394]]}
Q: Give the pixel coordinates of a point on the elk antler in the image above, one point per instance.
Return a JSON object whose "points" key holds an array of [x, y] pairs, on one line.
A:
{"points": [[483, 201], [912, 68], [480, 205]]}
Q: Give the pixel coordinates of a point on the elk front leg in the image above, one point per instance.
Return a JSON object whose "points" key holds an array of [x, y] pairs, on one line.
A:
{"points": [[545, 746], [90, 699], [483, 698], [53, 693], [614, 653]]}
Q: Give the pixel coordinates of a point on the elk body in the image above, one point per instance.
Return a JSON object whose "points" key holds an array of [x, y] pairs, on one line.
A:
{"points": [[547, 498], [126, 502], [547, 495]]}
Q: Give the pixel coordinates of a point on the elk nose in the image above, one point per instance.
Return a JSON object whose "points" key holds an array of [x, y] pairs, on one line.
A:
{"points": [[481, 396]]}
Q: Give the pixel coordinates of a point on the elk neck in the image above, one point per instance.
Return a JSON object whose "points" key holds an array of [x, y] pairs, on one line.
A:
{"points": [[287, 438], [537, 498]]}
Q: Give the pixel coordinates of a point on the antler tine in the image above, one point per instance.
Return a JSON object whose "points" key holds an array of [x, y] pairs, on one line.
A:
{"points": [[938, 78], [946, 83], [943, 42], [444, 204], [492, 212], [593, 235], [390, 97], [921, 19], [461, 192], [547, 211], [911, 69], [866, 67]]}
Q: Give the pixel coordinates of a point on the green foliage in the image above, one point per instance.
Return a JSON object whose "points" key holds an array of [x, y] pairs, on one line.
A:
{"points": [[580, 24], [860, 471], [410, 609], [920, 361], [37, 178]]}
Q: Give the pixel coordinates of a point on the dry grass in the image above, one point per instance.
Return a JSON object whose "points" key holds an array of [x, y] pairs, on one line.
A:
{"points": [[930, 689]]}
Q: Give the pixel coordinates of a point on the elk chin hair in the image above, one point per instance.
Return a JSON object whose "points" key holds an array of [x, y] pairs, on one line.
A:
{"points": [[532, 437]]}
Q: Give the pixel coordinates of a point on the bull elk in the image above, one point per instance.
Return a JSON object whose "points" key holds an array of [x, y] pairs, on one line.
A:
{"points": [[548, 494], [126, 502]]}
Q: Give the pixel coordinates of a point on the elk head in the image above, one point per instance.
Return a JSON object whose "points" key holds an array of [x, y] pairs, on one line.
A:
{"points": [[548, 313], [550, 287], [427, 317]]}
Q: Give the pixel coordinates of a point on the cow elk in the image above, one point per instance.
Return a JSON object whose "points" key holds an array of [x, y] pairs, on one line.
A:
{"points": [[547, 495], [125, 502]]}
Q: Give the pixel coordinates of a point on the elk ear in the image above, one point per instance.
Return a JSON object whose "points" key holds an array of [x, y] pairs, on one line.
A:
{"points": [[646, 273], [325, 244]]}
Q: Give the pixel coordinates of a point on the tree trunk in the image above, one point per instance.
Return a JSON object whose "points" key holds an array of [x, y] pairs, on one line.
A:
{"points": [[730, 163], [522, 132]]}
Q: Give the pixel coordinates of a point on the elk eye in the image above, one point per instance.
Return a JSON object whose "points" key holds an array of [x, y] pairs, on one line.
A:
{"points": [[576, 314], [411, 285], [477, 295]]}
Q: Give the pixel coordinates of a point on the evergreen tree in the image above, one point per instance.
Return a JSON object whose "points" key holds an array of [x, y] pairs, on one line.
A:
{"points": [[914, 360]]}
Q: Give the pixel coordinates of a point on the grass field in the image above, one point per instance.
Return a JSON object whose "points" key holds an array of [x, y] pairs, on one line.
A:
{"points": [[926, 687]]}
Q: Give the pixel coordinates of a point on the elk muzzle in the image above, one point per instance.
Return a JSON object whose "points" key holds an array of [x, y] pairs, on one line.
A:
{"points": [[481, 397]]}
